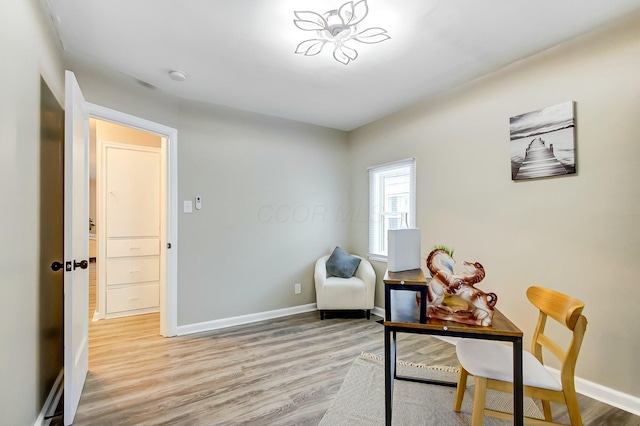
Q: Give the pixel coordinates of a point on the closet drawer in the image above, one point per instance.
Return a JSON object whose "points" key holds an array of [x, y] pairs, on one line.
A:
{"points": [[133, 297], [125, 270], [133, 247]]}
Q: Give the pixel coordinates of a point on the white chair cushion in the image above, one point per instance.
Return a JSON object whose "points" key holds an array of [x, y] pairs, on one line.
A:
{"points": [[493, 360], [345, 293]]}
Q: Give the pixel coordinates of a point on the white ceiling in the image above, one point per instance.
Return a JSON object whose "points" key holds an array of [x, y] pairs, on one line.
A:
{"points": [[240, 53]]}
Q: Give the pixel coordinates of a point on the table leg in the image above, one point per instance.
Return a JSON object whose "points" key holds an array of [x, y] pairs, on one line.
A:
{"points": [[389, 372], [387, 303], [518, 413], [423, 305]]}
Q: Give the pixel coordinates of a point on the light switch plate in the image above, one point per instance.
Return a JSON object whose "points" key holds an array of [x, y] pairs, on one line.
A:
{"points": [[188, 206]]}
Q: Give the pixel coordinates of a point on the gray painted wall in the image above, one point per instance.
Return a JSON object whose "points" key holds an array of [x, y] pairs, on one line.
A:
{"points": [[272, 193], [28, 49], [578, 234]]}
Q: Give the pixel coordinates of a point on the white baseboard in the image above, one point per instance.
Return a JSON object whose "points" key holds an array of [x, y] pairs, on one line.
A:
{"points": [[584, 387], [52, 400], [378, 311], [243, 319]]}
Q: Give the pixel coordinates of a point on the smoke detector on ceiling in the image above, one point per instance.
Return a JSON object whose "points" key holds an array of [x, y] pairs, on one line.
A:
{"points": [[178, 75]]}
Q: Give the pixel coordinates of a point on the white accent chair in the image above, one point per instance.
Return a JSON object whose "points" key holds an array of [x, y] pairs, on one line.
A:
{"points": [[355, 293]]}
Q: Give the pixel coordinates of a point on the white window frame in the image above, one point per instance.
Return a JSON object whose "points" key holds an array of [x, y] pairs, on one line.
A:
{"points": [[379, 187]]}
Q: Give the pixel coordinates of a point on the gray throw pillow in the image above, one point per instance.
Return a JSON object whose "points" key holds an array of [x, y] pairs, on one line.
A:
{"points": [[341, 264]]}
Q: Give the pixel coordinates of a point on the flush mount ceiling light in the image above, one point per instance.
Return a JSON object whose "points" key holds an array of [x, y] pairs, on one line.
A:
{"points": [[178, 75], [336, 28]]}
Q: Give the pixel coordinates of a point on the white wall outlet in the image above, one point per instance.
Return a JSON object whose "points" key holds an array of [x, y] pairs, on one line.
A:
{"points": [[297, 288], [188, 206]]}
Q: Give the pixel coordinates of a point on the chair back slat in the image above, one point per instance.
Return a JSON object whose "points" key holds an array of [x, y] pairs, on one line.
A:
{"points": [[564, 309], [552, 346]]}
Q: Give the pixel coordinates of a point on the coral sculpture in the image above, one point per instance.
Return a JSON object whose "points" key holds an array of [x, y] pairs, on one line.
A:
{"points": [[452, 295]]}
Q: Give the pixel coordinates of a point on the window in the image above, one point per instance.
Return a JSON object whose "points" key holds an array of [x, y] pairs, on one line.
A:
{"points": [[392, 202]]}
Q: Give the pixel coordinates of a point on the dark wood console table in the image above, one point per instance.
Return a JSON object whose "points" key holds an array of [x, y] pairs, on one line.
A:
{"points": [[404, 317]]}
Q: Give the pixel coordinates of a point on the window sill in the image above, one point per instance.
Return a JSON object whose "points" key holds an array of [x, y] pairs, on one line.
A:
{"points": [[377, 257]]}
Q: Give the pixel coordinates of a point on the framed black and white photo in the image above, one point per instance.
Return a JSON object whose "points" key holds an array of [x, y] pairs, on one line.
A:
{"points": [[543, 142]]}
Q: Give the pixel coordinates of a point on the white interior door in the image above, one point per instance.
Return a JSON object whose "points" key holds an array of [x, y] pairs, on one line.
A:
{"points": [[76, 246]]}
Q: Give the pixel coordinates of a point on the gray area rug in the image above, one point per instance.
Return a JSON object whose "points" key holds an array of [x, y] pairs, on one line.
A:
{"points": [[360, 400]]}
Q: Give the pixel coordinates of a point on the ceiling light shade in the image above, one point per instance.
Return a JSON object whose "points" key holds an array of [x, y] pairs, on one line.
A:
{"points": [[336, 28], [178, 75]]}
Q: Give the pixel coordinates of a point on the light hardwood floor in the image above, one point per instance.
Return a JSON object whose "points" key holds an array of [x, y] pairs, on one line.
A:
{"points": [[284, 371]]}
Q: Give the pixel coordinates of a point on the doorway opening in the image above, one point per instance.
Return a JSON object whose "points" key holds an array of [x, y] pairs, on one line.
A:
{"points": [[125, 192], [127, 139]]}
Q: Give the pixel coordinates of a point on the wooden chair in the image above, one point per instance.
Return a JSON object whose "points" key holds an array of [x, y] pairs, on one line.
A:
{"points": [[491, 363]]}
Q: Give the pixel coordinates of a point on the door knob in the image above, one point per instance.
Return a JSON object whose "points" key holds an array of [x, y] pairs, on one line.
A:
{"points": [[56, 266], [82, 264]]}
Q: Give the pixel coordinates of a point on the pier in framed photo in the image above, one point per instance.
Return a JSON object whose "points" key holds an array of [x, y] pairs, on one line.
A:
{"points": [[543, 142]]}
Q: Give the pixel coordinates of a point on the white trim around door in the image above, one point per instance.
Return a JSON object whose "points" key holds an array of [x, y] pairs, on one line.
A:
{"points": [[169, 241]]}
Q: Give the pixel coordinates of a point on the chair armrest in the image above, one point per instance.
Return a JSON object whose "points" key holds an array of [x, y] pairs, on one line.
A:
{"points": [[320, 279], [320, 272], [367, 274]]}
